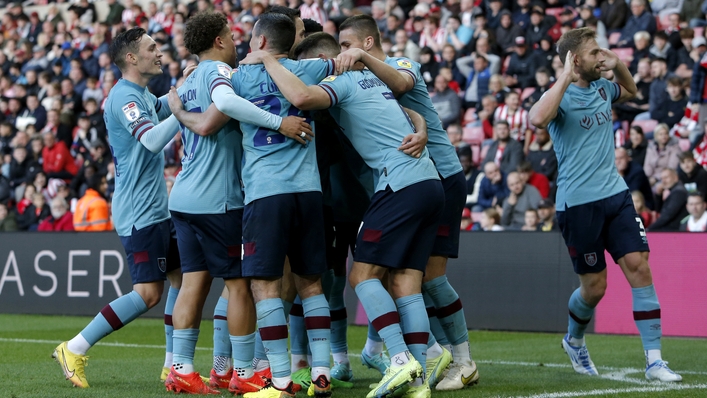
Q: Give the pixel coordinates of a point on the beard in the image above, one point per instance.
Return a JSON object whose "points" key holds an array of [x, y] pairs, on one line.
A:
{"points": [[590, 75]]}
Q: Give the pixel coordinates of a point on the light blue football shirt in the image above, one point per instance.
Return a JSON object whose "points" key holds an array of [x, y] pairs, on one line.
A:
{"points": [[376, 124], [418, 99], [275, 164], [209, 182], [140, 197], [583, 138]]}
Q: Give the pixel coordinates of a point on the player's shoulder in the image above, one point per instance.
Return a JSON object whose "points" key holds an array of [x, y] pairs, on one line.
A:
{"points": [[216, 67], [401, 62]]}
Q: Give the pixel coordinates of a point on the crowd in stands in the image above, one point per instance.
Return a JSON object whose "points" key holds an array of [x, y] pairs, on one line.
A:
{"points": [[485, 62]]}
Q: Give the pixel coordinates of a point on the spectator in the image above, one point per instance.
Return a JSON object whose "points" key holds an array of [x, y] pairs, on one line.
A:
{"points": [[695, 222], [640, 19], [92, 209], [429, 68], [698, 91], [521, 13], [446, 102], [482, 31], [115, 11], [639, 203], [692, 177], [457, 34], [639, 104], [671, 201], [433, 35], [543, 55], [92, 91], [637, 146], [493, 14], [661, 48], [466, 223], [493, 189], [472, 174], [596, 25], [34, 214], [407, 46], [34, 114], [692, 13], [497, 87], [490, 220], [541, 155], [455, 134], [538, 26], [504, 151], [61, 218], [477, 79], [542, 81], [57, 161], [61, 131], [7, 219], [683, 60], [507, 33], [546, 213], [20, 167], [521, 69], [449, 61], [662, 154], [673, 109], [517, 119], [658, 91], [520, 198], [532, 220], [634, 176], [485, 115], [529, 176], [26, 200]]}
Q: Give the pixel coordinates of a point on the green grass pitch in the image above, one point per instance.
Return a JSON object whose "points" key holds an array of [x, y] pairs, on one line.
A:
{"points": [[128, 363]]}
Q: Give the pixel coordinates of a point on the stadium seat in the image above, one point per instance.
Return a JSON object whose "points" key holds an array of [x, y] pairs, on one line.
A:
{"points": [[624, 54], [527, 92], [475, 155], [469, 116], [647, 125], [473, 135], [699, 30], [614, 38], [684, 144]]}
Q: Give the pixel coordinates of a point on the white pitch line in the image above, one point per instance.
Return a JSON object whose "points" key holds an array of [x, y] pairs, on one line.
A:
{"points": [[614, 391], [568, 366], [106, 344]]}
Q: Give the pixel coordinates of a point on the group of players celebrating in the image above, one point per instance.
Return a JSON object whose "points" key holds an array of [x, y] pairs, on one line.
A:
{"points": [[274, 211]]}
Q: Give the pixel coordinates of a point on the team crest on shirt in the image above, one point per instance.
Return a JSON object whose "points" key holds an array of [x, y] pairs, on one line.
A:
{"points": [[224, 71], [404, 64], [329, 78], [162, 264], [602, 93], [131, 112], [590, 259]]}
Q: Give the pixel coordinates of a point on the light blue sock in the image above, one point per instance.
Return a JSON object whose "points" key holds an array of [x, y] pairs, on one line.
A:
{"points": [[449, 309], [372, 333], [298, 331], [222, 342], [114, 316], [436, 331], [580, 315], [318, 323], [646, 314], [382, 314], [416, 328], [339, 318], [273, 331], [168, 309], [184, 347], [259, 348], [243, 351], [287, 307]]}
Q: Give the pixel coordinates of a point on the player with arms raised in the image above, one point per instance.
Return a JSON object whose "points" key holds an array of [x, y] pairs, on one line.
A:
{"points": [[595, 210]]}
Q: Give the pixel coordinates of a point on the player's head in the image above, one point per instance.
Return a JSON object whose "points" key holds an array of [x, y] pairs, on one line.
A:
{"points": [[274, 33], [311, 27], [317, 45], [135, 50], [582, 43], [208, 31], [359, 31], [294, 15]]}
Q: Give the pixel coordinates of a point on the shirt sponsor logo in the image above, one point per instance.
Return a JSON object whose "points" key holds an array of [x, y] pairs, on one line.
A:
{"points": [[131, 112], [329, 78], [224, 71]]}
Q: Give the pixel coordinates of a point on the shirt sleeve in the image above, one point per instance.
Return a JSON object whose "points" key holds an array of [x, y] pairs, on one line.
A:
{"points": [[405, 65], [318, 69], [243, 110], [614, 91], [132, 114], [162, 107], [337, 87]]}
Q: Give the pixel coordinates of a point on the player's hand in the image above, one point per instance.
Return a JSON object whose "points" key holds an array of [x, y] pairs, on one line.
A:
{"points": [[346, 60], [611, 60], [254, 58], [414, 144], [569, 68], [188, 70], [297, 128], [175, 103]]}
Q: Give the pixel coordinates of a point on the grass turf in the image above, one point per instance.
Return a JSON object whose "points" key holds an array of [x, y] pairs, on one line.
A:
{"points": [[128, 363]]}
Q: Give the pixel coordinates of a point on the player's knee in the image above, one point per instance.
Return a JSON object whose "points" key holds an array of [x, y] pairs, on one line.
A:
{"points": [[593, 293], [151, 298]]}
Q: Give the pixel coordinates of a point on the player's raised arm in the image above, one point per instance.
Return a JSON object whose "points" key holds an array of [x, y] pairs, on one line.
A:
{"points": [[546, 108], [622, 75], [207, 123], [295, 91], [399, 82]]}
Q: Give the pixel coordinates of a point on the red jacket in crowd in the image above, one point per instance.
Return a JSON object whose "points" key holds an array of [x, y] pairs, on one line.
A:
{"points": [[540, 182], [65, 223], [58, 158]]}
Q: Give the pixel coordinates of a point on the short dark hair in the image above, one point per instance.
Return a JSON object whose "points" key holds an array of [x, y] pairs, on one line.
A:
{"points": [[278, 29], [502, 121], [94, 181], [686, 155], [695, 194], [637, 129], [675, 81], [524, 167], [126, 42], [573, 41], [312, 26], [543, 70], [320, 41], [364, 26], [661, 35], [291, 13], [202, 29]]}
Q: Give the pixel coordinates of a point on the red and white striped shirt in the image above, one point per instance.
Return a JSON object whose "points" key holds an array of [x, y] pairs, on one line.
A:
{"points": [[313, 12], [517, 121], [438, 37]]}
